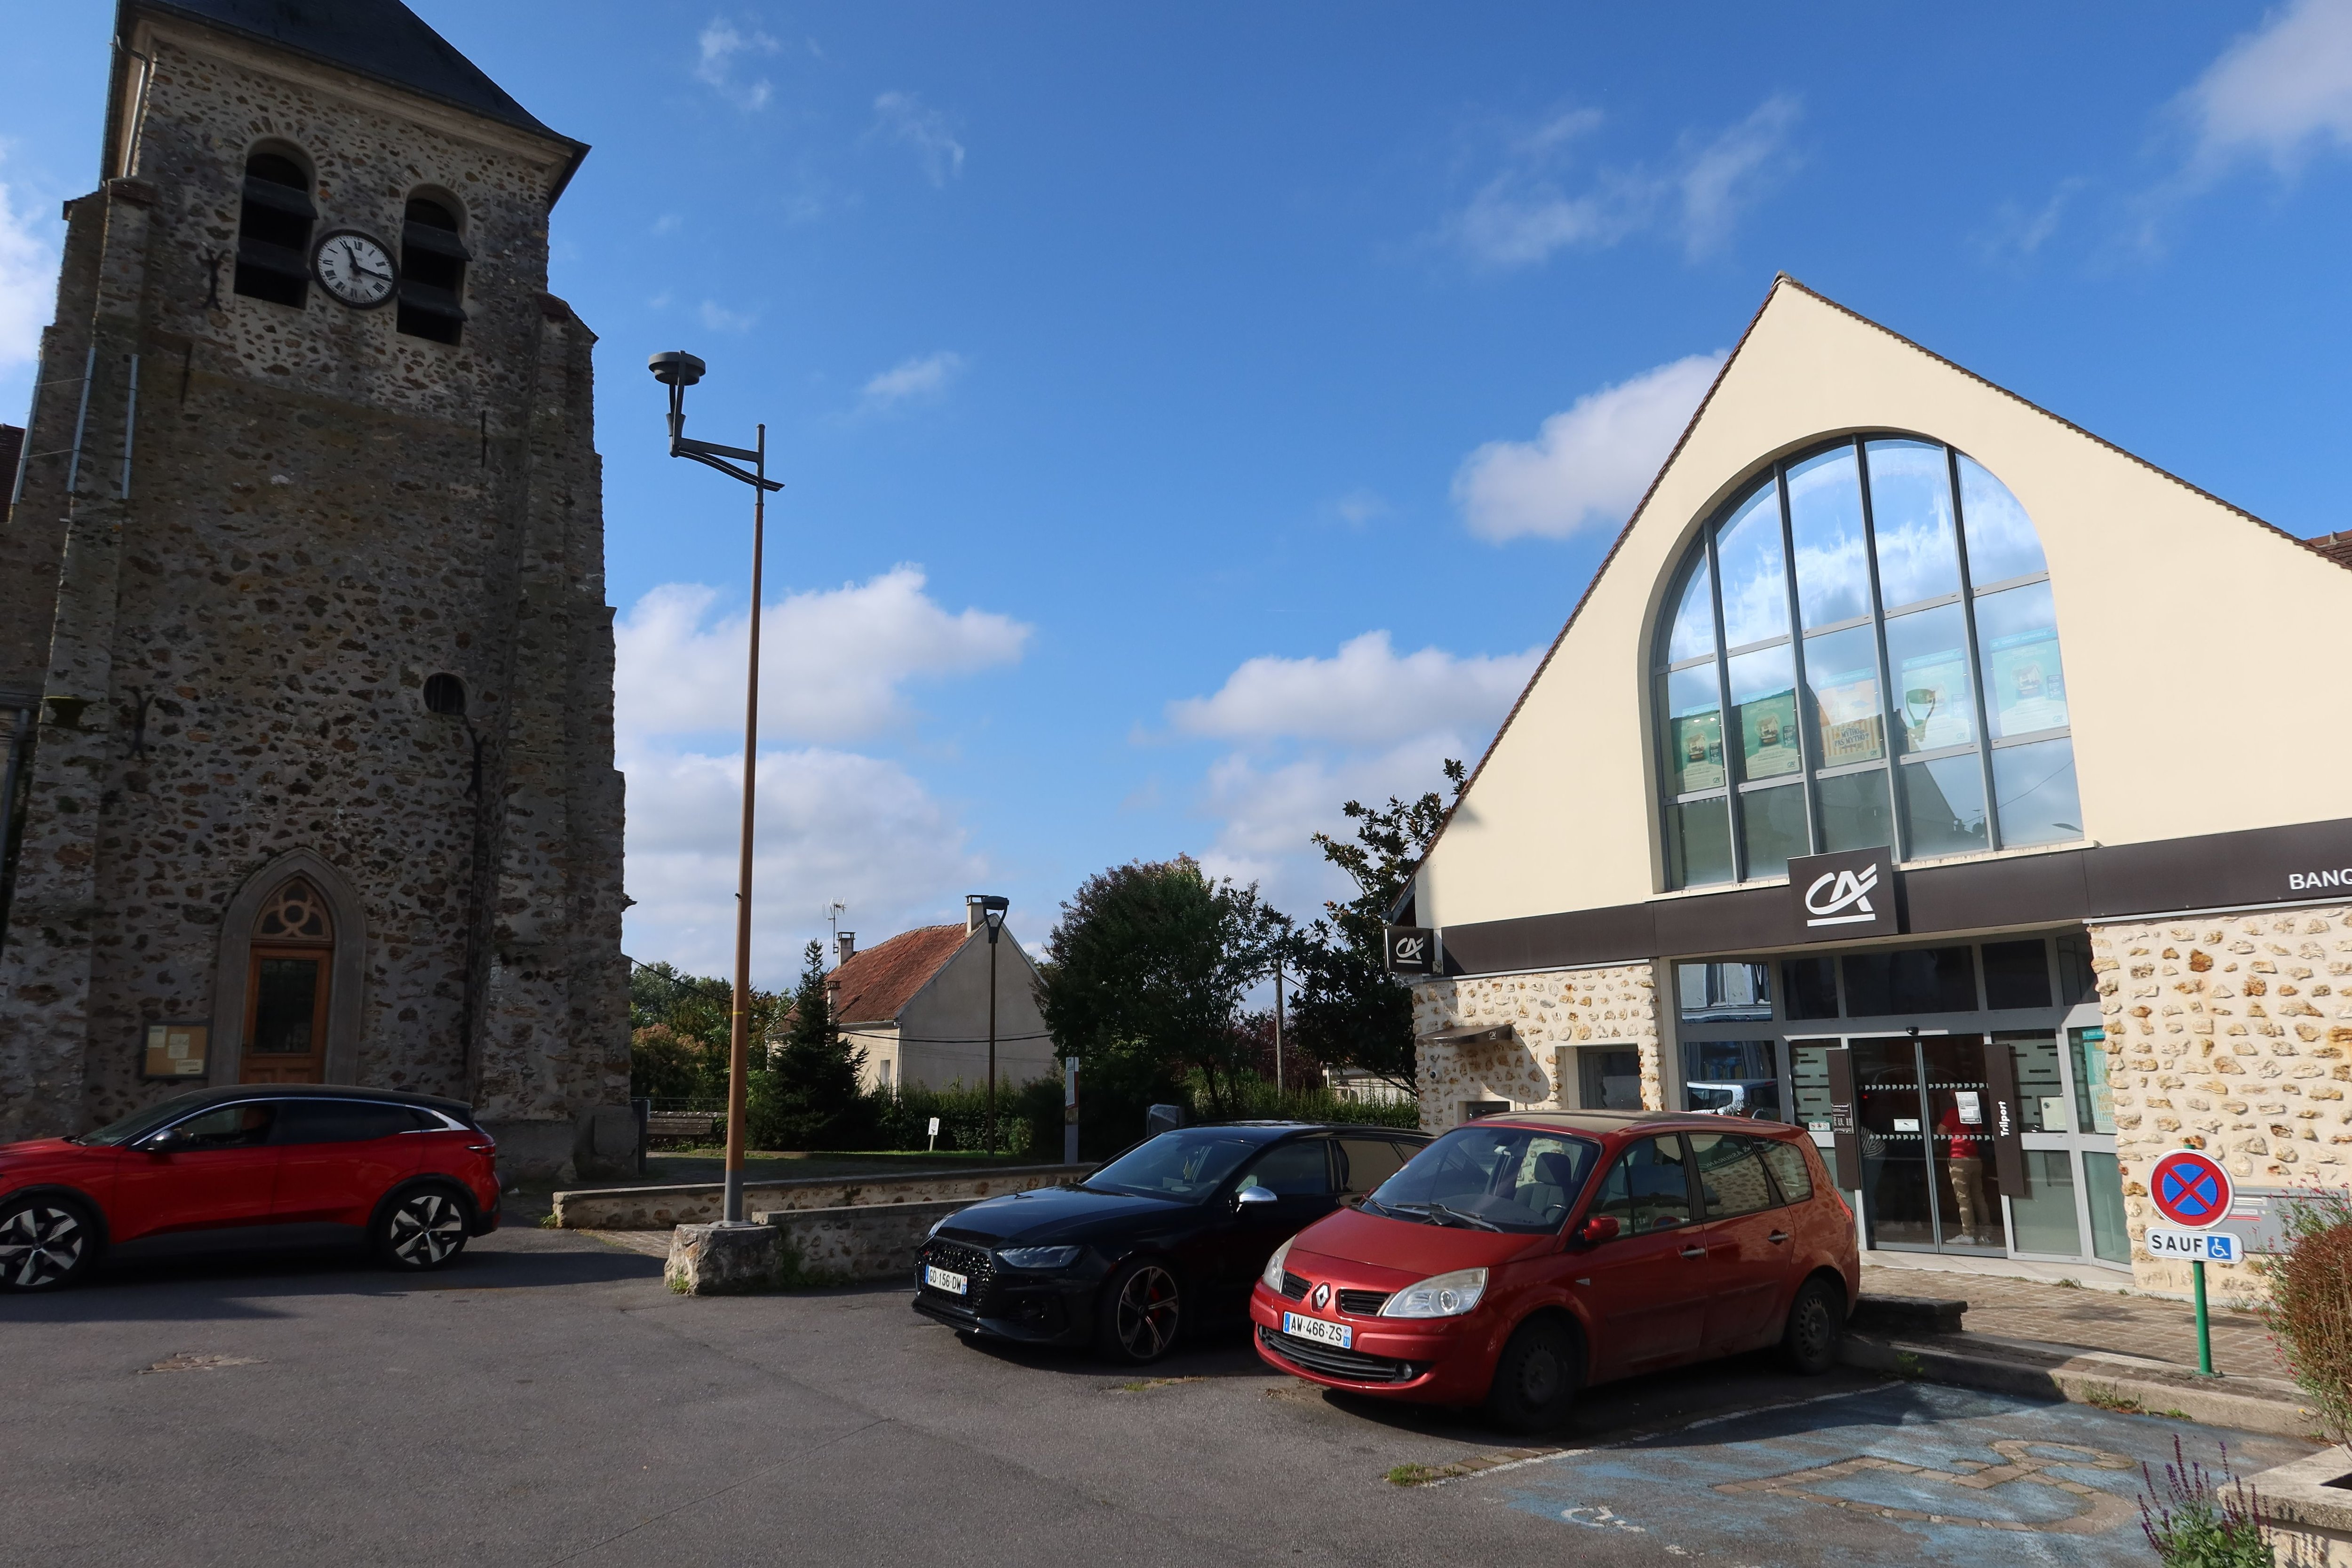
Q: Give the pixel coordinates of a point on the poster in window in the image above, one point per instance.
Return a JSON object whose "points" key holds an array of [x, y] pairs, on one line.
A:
{"points": [[1767, 736], [1696, 740], [1932, 694], [177, 1050], [1852, 724], [2026, 682]]}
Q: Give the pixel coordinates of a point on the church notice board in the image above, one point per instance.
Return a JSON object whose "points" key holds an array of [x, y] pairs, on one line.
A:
{"points": [[177, 1050]]}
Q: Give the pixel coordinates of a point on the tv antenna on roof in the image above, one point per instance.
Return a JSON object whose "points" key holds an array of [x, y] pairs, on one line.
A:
{"points": [[833, 914]]}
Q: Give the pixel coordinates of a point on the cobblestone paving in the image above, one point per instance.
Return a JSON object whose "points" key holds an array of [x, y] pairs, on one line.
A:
{"points": [[2094, 1316]]}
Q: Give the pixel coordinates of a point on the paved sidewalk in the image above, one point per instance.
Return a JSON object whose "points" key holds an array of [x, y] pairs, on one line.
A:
{"points": [[2094, 1316]]}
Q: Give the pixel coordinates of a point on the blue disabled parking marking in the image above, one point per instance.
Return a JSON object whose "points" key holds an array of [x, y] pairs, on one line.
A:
{"points": [[1910, 1472]]}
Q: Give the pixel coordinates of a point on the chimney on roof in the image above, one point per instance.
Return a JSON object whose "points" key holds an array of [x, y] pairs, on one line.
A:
{"points": [[974, 917], [844, 944]]}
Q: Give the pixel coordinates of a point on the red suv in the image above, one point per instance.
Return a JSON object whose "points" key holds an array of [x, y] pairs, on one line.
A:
{"points": [[1522, 1257], [232, 1168]]}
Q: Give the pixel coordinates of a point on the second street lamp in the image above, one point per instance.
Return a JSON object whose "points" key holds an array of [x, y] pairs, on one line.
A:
{"points": [[991, 914], [678, 371]]}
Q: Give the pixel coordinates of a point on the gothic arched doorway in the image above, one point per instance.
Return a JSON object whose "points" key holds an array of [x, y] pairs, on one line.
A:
{"points": [[289, 975]]}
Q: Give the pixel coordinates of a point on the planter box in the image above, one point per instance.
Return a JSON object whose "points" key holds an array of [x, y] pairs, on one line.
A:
{"points": [[2309, 1505]]}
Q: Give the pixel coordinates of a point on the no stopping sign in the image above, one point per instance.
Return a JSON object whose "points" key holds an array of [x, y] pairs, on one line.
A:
{"points": [[2191, 1189]]}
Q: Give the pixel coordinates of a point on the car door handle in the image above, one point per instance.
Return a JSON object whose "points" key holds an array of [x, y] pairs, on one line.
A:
{"points": [[1693, 1252], [1777, 1237]]}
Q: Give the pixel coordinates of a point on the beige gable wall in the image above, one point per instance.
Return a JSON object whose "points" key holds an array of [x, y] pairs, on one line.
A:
{"points": [[2202, 650], [943, 1029]]}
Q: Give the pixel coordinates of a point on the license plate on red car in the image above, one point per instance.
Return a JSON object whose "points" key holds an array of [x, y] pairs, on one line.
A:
{"points": [[1321, 1332]]}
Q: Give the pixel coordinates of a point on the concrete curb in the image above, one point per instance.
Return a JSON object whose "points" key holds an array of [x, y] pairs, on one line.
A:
{"points": [[2133, 1384]]}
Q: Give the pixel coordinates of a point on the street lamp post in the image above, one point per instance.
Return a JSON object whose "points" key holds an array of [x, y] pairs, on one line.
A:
{"points": [[678, 371], [991, 915]]}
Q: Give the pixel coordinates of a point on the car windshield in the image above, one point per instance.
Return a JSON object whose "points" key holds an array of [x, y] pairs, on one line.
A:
{"points": [[1187, 1164], [141, 1123], [1490, 1178]]}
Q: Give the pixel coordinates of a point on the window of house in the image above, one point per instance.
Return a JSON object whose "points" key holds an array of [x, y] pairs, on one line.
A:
{"points": [[273, 230], [445, 694], [432, 272], [1862, 651]]}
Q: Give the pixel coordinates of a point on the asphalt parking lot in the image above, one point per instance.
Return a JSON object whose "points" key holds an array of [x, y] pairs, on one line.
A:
{"points": [[549, 1401]]}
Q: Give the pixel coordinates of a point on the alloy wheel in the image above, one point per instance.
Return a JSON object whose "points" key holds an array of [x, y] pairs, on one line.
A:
{"points": [[426, 1229], [40, 1245], [1148, 1312]]}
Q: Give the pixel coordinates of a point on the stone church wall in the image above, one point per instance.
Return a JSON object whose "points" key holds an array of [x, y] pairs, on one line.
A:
{"points": [[1552, 1016], [321, 512]]}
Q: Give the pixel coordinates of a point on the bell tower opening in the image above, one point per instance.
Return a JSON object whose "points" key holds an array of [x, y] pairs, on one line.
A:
{"points": [[289, 976]]}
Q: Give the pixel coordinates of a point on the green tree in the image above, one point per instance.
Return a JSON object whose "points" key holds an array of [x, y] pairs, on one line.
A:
{"points": [[1349, 1011], [806, 1093], [1144, 979], [678, 1027]]}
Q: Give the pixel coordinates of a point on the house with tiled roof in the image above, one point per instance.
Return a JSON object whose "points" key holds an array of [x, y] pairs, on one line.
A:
{"points": [[917, 1007]]}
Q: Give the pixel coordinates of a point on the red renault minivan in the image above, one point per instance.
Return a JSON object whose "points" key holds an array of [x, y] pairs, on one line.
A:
{"points": [[1522, 1257]]}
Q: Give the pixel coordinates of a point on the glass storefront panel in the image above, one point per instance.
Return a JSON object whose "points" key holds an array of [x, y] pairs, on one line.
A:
{"points": [[1943, 805], [1698, 846], [1888, 982], [2038, 801], [2002, 541], [1693, 636], [1610, 1078], [1928, 660], [1709, 993], [2103, 1184], [1809, 988], [1890, 1123], [1734, 1077], [1825, 519], [1755, 583], [2041, 1090], [2095, 1102], [1764, 712], [1842, 673], [1808, 1077], [1773, 822], [2045, 1219], [2017, 640], [1911, 519], [1693, 707], [1855, 814], [1960, 1142], [2017, 973]]}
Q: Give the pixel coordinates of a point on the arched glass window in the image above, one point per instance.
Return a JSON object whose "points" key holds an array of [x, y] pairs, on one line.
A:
{"points": [[1861, 651], [273, 230], [432, 273]]}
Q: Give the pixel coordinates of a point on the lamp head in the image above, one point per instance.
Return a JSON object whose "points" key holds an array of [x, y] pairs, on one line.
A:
{"points": [[676, 367], [992, 907]]}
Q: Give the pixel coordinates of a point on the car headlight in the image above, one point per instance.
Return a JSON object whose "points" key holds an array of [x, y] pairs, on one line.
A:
{"points": [[1439, 1296], [1039, 1257], [1272, 1272]]}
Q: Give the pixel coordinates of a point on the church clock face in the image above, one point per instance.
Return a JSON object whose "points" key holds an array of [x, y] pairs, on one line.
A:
{"points": [[355, 268]]}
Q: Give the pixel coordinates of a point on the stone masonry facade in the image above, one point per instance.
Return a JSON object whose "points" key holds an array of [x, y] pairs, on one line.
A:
{"points": [[2232, 1035], [1552, 1015], [241, 550]]}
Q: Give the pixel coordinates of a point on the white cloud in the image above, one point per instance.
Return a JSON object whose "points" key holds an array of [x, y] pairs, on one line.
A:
{"points": [[2017, 233], [723, 45], [903, 117], [28, 279], [1367, 694], [833, 663], [719, 319], [1588, 467], [919, 379], [1358, 507], [1531, 208], [2278, 93], [830, 825]]}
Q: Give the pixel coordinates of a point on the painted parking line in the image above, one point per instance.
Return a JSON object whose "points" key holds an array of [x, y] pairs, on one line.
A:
{"points": [[1907, 1472]]}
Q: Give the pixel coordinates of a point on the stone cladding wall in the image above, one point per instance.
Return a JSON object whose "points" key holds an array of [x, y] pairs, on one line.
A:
{"points": [[1552, 1015], [2232, 1035], [320, 513]]}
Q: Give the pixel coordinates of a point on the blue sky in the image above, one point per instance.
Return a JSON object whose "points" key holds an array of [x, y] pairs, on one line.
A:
{"points": [[1195, 415]]}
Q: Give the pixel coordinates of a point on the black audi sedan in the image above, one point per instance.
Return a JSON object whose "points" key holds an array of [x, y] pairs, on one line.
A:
{"points": [[1163, 1241]]}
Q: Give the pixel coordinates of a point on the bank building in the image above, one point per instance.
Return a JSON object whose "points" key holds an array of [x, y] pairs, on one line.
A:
{"points": [[305, 663], [1921, 769]]}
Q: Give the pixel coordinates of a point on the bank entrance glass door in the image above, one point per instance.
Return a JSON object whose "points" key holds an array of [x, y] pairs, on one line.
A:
{"points": [[1928, 1182]]}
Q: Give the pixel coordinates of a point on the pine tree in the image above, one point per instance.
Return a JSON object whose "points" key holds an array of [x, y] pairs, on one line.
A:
{"points": [[807, 1095]]}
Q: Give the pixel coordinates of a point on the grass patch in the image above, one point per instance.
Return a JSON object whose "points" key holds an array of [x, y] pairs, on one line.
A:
{"points": [[2069, 1284], [2108, 1397], [1145, 1385], [1910, 1366], [1416, 1475]]}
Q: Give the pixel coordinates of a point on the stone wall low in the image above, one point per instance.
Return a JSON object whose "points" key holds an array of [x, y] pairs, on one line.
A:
{"points": [[1550, 1015], [2232, 1035], [843, 1245], [659, 1208]]}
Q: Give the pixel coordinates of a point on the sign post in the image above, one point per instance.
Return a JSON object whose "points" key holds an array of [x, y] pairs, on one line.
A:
{"points": [[2189, 1188]]}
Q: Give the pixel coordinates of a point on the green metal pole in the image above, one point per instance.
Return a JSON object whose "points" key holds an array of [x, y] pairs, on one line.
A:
{"points": [[2204, 1328]]}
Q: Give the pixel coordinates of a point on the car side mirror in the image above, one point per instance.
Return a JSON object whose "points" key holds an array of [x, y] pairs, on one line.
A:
{"points": [[1598, 1228], [1249, 1197], [164, 1143]]}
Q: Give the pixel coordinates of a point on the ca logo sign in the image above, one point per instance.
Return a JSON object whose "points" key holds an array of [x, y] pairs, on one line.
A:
{"points": [[1834, 892]]}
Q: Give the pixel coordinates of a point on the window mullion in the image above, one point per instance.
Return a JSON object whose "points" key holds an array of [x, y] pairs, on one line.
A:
{"points": [[1806, 751], [1976, 665], [1738, 838], [1889, 718]]}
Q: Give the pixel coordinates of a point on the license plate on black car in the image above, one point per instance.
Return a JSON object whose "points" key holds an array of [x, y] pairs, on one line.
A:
{"points": [[945, 1279], [1321, 1332]]}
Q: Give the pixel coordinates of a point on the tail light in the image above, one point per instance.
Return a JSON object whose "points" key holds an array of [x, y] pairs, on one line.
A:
{"points": [[490, 1149]]}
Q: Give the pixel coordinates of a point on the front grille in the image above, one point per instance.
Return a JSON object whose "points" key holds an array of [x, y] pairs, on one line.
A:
{"points": [[1293, 1286], [1332, 1361], [973, 1263], [1362, 1303]]}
